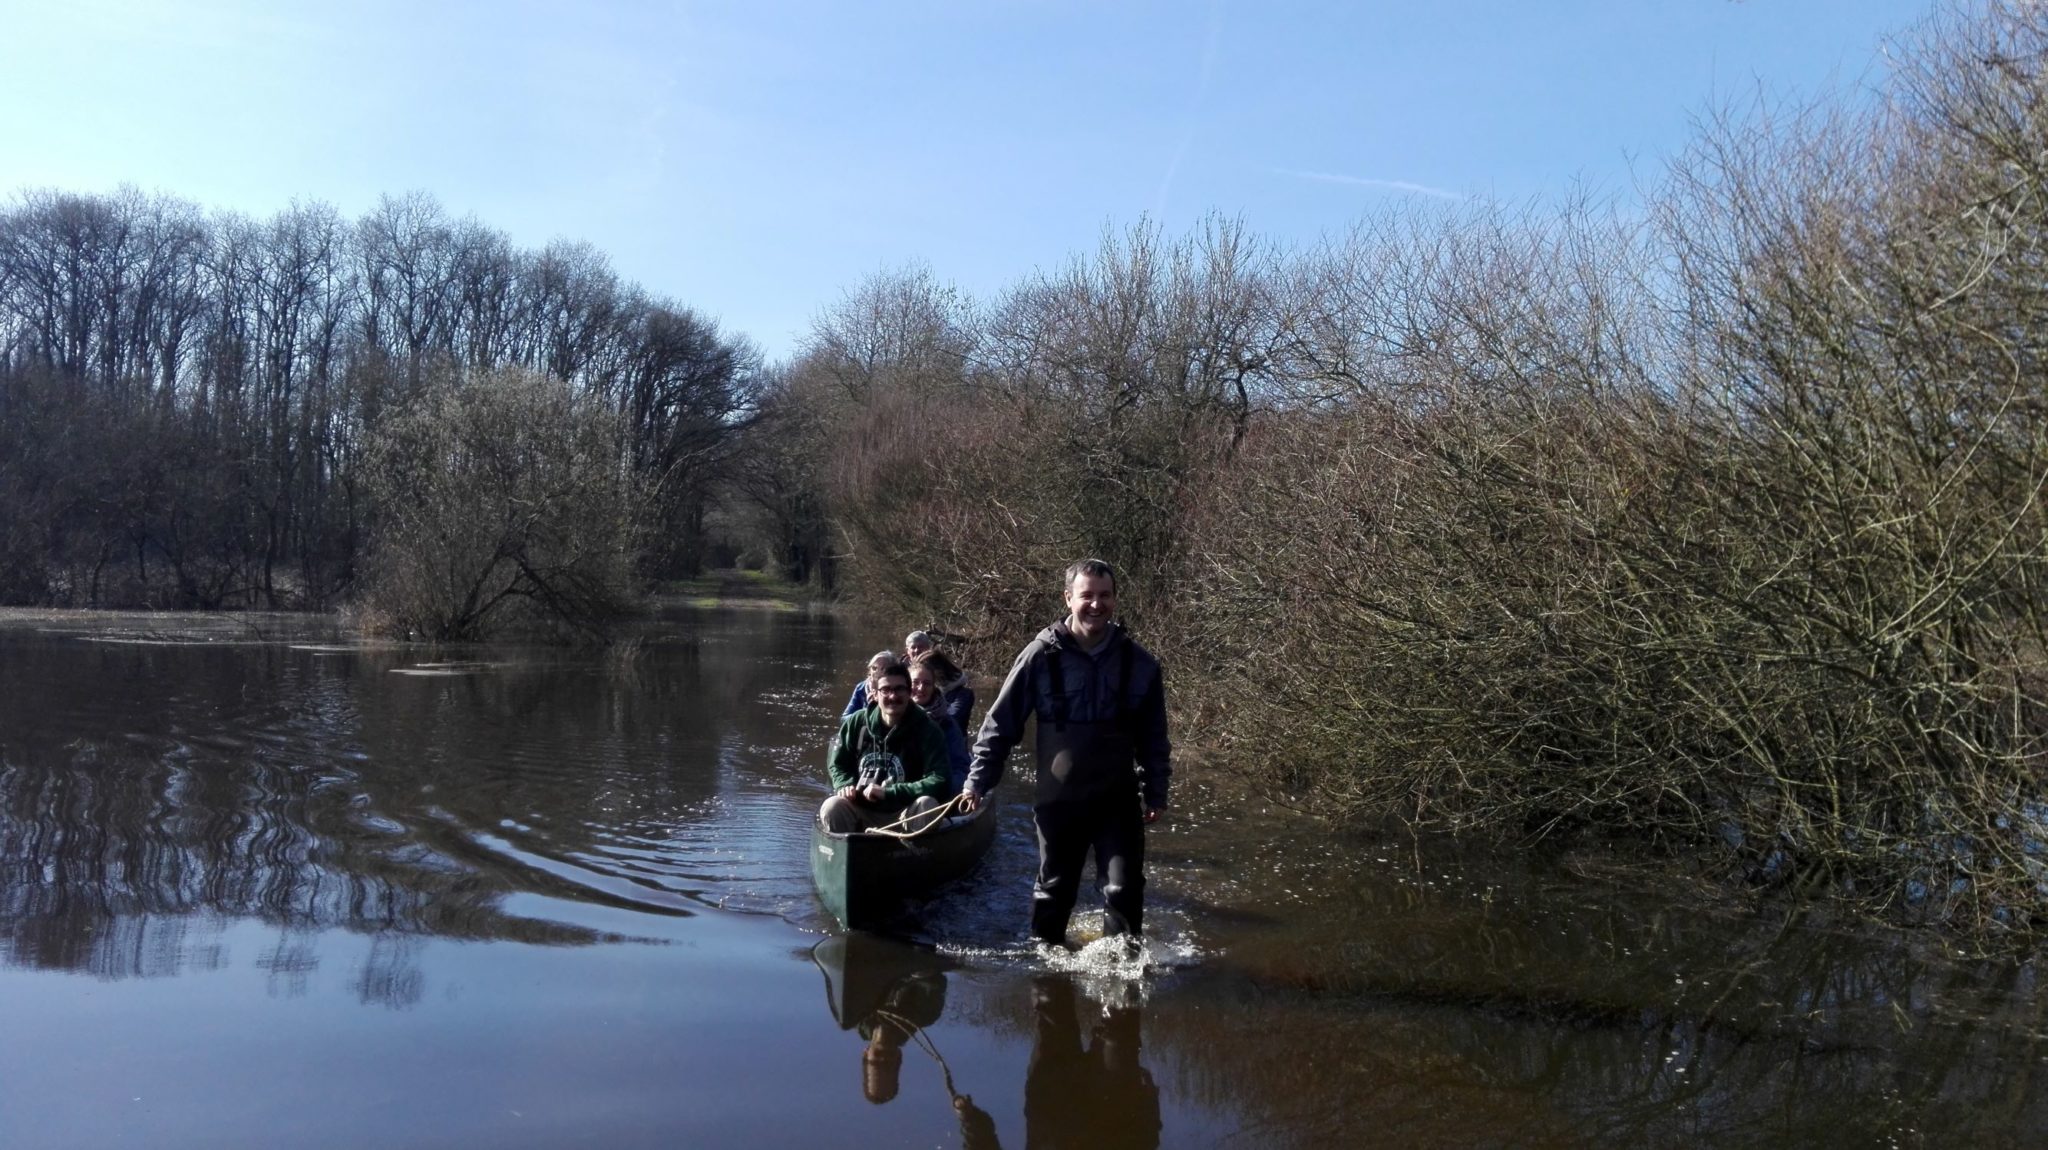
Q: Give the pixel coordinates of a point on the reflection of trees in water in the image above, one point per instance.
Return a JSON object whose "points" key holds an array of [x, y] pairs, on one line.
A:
{"points": [[290, 964], [1442, 995], [1308, 1071], [84, 939], [1433, 1022], [142, 785], [390, 975]]}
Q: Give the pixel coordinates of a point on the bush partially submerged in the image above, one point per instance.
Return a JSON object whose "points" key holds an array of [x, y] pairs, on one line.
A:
{"points": [[1760, 565], [502, 503]]}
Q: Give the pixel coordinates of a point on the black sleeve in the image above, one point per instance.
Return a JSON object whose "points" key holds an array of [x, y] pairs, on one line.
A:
{"points": [[1003, 728]]}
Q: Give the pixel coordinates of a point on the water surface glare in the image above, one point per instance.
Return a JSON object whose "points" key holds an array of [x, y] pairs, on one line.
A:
{"points": [[263, 885]]}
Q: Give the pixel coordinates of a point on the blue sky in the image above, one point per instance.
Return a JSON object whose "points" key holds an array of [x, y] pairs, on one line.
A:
{"points": [[756, 160]]}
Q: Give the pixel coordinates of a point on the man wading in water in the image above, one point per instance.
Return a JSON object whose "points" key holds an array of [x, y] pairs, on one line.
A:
{"points": [[1103, 754]]}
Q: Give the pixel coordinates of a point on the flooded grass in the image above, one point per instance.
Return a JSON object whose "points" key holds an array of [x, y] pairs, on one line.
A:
{"points": [[733, 587]]}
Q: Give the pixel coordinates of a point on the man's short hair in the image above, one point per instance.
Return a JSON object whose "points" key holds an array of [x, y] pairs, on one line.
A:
{"points": [[919, 639], [1082, 567], [896, 670]]}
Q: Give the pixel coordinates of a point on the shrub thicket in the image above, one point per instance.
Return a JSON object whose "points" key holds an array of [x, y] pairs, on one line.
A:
{"points": [[1720, 524], [503, 502]]}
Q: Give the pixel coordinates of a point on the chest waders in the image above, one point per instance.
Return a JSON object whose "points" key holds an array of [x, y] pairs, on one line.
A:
{"points": [[1088, 799]]}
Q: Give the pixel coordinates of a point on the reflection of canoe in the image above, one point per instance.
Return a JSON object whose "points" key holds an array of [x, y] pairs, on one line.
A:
{"points": [[864, 878], [861, 969]]}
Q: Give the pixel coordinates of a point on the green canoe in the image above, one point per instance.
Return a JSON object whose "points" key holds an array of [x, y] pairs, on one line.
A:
{"points": [[865, 879], [863, 972]]}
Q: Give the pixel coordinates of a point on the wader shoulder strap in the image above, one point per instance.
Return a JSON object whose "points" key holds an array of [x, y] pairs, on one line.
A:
{"points": [[1059, 687], [1123, 687]]}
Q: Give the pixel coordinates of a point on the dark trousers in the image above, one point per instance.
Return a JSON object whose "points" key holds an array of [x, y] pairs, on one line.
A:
{"points": [[1113, 826]]}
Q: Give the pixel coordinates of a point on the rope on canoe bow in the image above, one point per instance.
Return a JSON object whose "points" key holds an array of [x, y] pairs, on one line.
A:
{"points": [[933, 818]]}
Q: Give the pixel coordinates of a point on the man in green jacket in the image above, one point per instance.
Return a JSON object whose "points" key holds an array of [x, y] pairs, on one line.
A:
{"points": [[888, 760]]}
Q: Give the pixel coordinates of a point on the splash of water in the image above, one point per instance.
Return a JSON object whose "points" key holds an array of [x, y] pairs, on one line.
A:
{"points": [[1111, 969]]}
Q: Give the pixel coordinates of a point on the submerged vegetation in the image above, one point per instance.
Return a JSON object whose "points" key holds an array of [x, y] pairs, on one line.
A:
{"points": [[1716, 522], [501, 499]]}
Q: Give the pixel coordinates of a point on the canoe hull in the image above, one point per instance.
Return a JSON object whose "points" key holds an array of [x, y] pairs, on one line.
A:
{"points": [[865, 879]]}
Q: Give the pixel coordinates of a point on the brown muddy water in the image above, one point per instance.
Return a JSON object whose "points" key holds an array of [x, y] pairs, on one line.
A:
{"points": [[261, 885]]}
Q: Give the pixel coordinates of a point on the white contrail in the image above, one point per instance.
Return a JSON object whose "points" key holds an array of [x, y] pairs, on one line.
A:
{"points": [[1369, 182], [1210, 43]]}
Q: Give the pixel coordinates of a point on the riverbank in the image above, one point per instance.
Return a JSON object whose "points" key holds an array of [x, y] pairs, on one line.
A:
{"points": [[723, 588]]}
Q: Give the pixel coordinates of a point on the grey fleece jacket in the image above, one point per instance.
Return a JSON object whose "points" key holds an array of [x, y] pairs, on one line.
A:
{"points": [[1095, 691]]}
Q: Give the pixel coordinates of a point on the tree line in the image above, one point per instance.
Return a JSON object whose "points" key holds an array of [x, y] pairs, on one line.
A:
{"points": [[1719, 522], [193, 405]]}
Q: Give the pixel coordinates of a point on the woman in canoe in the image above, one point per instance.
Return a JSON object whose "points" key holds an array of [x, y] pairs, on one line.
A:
{"points": [[924, 691], [951, 683]]}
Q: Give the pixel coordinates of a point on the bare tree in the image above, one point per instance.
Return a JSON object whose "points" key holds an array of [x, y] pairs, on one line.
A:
{"points": [[502, 503]]}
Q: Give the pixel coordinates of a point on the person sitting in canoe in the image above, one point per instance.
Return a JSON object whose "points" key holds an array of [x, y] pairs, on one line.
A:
{"points": [[951, 682], [924, 691], [864, 689], [887, 761], [911, 1005]]}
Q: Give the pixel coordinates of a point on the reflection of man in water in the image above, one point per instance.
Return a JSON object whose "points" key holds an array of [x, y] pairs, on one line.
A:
{"points": [[1098, 1096], [1095, 1095]]}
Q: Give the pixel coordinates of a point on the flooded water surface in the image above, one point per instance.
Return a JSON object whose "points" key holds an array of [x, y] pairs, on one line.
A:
{"points": [[262, 885]]}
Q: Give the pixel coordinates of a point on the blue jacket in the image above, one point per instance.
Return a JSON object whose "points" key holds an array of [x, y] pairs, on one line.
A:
{"points": [[957, 758], [958, 702]]}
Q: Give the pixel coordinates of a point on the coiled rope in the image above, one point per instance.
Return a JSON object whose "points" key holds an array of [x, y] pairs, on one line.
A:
{"points": [[934, 817]]}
